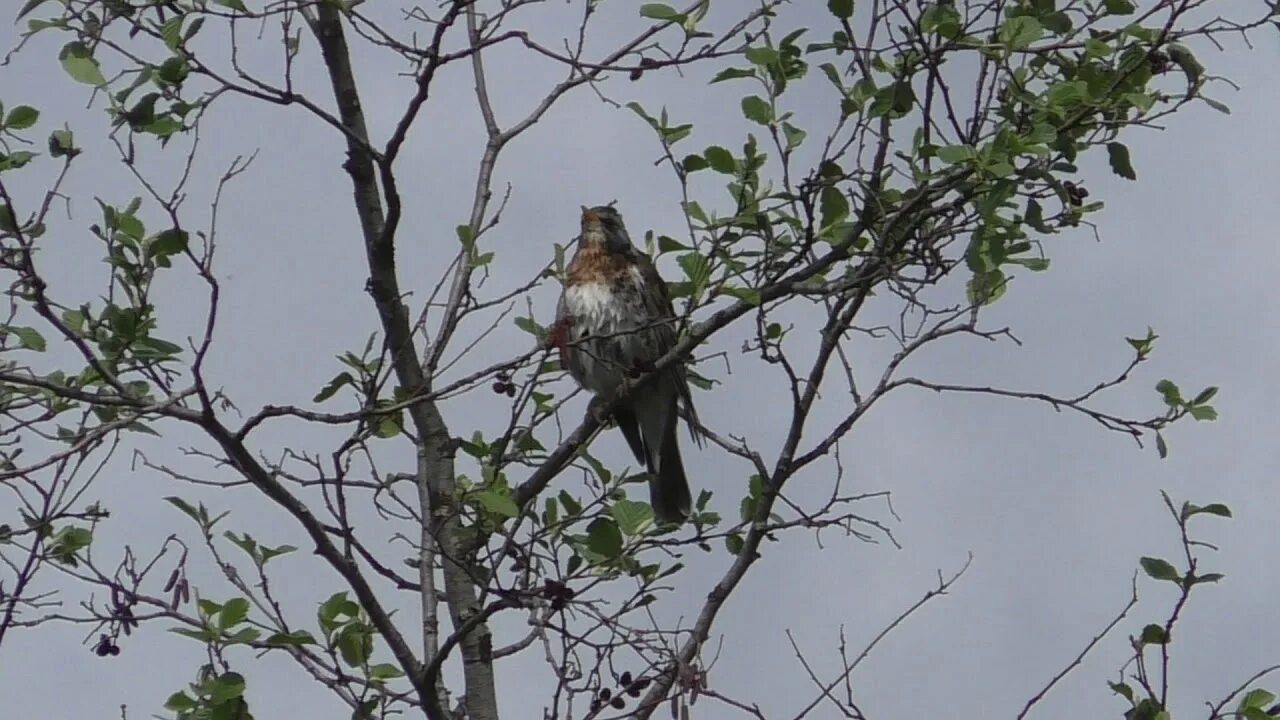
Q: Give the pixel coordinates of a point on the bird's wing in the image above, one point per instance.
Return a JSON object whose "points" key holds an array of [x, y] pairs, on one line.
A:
{"points": [[657, 299]]}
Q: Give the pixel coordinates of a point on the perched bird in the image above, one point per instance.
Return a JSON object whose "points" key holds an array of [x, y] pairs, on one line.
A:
{"points": [[614, 321]]}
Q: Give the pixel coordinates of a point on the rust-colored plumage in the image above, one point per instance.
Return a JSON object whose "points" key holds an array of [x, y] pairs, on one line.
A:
{"points": [[614, 321]]}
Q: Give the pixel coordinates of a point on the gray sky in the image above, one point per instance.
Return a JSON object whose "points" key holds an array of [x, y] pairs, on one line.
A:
{"points": [[1055, 511]]}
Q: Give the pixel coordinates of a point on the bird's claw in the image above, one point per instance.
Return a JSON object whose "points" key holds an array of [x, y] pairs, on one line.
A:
{"points": [[598, 409]]}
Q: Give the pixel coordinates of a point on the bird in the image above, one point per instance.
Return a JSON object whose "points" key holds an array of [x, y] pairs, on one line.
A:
{"points": [[613, 322]]}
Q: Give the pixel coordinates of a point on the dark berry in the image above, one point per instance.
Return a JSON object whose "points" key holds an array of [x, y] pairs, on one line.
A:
{"points": [[618, 703]]}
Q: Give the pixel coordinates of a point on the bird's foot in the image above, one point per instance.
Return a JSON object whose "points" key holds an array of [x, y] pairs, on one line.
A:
{"points": [[598, 409]]}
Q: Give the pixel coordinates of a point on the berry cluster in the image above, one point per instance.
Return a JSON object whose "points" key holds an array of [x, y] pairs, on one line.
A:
{"points": [[503, 385], [627, 686]]}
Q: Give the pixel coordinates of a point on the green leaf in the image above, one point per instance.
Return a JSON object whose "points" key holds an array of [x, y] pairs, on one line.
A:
{"points": [[762, 55], [757, 110], [167, 243], [1119, 7], [952, 154], [1256, 699], [1154, 635], [27, 337], [793, 134], [1161, 447], [1216, 105], [1118, 153], [733, 73], [78, 61], [466, 236], [570, 504], [1159, 569], [604, 538], [498, 502], [986, 287], [339, 381], [632, 517], [734, 543], [660, 11], [21, 117], [1019, 32], [187, 508], [1121, 689], [1172, 396], [698, 269], [833, 205], [842, 9], [1212, 509], [355, 644], [233, 4], [28, 7], [694, 163], [228, 686], [61, 143], [1205, 395], [1187, 62], [720, 159], [178, 701], [292, 639], [384, 671], [1203, 412], [233, 613]]}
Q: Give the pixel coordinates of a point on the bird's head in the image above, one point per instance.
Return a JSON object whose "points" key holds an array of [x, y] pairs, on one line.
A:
{"points": [[602, 225]]}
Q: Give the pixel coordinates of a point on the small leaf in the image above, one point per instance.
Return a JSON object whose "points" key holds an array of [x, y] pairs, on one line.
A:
{"points": [[734, 543], [80, 64], [793, 134], [1118, 154], [757, 110], [233, 4], [339, 381], [1019, 32], [29, 6], [842, 9], [28, 338], [498, 503], [179, 702], [604, 538], [384, 671], [1161, 447], [660, 11], [21, 117], [1154, 635], [1205, 395], [1172, 396], [633, 517], [834, 206], [1213, 509], [1203, 412], [1159, 569], [720, 159], [1122, 689], [1216, 105], [61, 143], [228, 686], [694, 163], [295, 638], [233, 613], [733, 74], [952, 154]]}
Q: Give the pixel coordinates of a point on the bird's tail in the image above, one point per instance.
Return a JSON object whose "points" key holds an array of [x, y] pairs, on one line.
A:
{"points": [[668, 487]]}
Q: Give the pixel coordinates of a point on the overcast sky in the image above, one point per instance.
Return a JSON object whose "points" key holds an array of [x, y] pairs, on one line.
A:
{"points": [[1055, 511]]}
